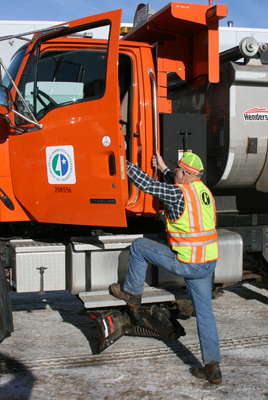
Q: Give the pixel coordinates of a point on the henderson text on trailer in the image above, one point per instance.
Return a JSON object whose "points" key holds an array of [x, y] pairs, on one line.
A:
{"points": [[75, 108]]}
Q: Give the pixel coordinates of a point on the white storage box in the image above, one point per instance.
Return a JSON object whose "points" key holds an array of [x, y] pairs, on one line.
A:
{"points": [[28, 256]]}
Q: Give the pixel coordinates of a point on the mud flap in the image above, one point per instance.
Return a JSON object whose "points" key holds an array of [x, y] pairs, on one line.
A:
{"points": [[111, 324], [148, 320]]}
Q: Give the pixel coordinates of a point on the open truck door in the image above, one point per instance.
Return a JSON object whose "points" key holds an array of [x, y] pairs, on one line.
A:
{"points": [[71, 169]]}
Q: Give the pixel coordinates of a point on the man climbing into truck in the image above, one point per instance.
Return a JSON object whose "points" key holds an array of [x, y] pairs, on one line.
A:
{"points": [[192, 252]]}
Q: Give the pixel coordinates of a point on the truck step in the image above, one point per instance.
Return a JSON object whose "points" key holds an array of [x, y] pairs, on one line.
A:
{"points": [[99, 299]]}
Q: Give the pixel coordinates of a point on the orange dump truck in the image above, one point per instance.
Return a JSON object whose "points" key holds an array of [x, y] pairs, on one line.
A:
{"points": [[74, 108]]}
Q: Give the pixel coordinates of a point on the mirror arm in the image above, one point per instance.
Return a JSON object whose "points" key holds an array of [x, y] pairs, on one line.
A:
{"points": [[40, 126], [39, 31]]}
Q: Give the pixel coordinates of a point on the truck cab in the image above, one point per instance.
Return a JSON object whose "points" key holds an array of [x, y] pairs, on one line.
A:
{"points": [[83, 106]]}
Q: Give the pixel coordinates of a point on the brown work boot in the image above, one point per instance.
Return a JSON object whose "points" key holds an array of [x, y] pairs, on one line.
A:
{"points": [[211, 372], [132, 300]]}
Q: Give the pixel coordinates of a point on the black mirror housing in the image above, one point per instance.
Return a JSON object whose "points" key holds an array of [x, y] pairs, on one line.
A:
{"points": [[5, 100]]}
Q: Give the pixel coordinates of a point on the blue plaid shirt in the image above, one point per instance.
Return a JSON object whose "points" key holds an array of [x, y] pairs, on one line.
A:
{"points": [[167, 192]]}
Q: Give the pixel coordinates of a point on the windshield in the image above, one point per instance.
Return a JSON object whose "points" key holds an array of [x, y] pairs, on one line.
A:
{"points": [[14, 67]]}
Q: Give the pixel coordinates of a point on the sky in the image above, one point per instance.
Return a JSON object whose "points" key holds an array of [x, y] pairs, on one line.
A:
{"points": [[243, 13]]}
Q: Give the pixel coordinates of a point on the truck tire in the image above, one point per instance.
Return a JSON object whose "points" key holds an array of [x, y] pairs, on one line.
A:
{"points": [[6, 320]]}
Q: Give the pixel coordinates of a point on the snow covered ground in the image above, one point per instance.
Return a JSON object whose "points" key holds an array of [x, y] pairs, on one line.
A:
{"points": [[52, 353]]}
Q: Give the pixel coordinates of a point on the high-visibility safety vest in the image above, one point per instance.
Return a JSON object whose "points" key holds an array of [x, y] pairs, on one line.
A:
{"points": [[193, 236]]}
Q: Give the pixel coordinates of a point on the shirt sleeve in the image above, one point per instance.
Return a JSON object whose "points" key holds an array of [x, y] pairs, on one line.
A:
{"points": [[168, 176], [169, 194]]}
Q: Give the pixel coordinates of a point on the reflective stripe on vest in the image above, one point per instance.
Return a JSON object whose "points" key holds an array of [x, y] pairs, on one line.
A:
{"points": [[187, 239], [190, 208], [193, 236]]}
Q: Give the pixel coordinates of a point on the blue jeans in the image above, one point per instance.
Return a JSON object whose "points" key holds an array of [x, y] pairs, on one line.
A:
{"points": [[198, 282]]}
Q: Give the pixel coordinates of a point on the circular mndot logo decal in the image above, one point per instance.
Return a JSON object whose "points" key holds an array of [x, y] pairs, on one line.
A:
{"points": [[106, 141], [60, 165], [205, 198]]}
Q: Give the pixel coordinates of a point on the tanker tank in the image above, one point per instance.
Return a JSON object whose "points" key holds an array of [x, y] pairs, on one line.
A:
{"points": [[237, 117]]}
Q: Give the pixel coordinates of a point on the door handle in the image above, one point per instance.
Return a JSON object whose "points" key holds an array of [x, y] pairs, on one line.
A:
{"points": [[111, 164]]}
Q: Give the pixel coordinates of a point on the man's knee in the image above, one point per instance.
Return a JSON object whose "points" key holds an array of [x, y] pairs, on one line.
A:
{"points": [[139, 246], [135, 245], [138, 241]]}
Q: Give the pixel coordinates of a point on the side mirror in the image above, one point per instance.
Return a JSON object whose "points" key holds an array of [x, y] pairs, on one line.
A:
{"points": [[5, 100]]}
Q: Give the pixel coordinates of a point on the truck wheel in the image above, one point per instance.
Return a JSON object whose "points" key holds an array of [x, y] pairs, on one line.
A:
{"points": [[6, 321]]}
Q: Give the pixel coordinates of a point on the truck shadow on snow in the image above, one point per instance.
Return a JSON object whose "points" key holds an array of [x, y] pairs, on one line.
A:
{"points": [[250, 293], [67, 306], [16, 379]]}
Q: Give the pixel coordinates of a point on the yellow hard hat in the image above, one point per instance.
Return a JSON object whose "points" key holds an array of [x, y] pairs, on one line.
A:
{"points": [[190, 162]]}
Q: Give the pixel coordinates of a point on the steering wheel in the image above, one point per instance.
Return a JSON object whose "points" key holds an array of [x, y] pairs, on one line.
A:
{"points": [[46, 96]]}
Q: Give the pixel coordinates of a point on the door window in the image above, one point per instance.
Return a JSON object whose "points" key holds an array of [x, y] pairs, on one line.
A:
{"points": [[64, 76]]}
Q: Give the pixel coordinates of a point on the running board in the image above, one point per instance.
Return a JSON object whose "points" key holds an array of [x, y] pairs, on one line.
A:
{"points": [[100, 299]]}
